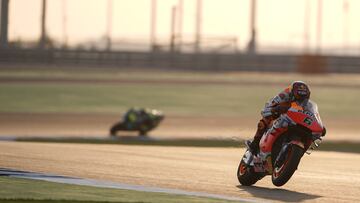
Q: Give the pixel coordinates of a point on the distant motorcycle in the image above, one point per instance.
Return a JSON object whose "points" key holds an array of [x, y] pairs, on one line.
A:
{"points": [[142, 120], [281, 158]]}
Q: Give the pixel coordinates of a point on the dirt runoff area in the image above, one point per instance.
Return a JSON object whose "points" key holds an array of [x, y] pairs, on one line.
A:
{"points": [[97, 125]]}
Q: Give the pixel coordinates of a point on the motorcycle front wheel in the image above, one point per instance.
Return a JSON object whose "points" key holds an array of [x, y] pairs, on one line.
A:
{"points": [[246, 175], [117, 127], [283, 173]]}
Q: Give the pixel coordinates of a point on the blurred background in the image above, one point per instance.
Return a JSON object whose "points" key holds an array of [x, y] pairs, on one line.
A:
{"points": [[253, 35], [276, 26], [74, 67]]}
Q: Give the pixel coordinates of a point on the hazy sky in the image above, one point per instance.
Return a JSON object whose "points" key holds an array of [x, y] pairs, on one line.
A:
{"points": [[279, 22]]}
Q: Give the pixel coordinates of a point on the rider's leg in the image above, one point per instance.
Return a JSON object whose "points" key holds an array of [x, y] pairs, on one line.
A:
{"points": [[261, 129]]}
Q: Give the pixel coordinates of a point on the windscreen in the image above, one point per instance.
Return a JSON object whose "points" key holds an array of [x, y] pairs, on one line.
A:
{"points": [[312, 110]]}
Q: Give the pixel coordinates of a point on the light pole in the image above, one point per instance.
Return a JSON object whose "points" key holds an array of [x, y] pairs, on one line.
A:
{"points": [[109, 24], [43, 37], [252, 43], [4, 23], [180, 23], [172, 29], [198, 25], [65, 36], [153, 25]]}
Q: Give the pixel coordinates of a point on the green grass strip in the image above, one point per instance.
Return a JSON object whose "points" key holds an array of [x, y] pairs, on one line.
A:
{"points": [[141, 141], [173, 99], [18, 190]]}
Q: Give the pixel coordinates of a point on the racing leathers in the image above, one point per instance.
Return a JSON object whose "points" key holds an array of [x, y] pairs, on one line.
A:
{"points": [[272, 110]]}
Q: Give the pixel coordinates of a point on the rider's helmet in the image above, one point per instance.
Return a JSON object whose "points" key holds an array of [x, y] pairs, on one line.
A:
{"points": [[300, 91]]}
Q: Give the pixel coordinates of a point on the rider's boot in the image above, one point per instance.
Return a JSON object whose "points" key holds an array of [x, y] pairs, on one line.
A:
{"points": [[254, 145]]}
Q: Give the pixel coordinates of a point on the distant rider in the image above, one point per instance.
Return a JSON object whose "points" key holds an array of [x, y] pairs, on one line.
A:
{"points": [[298, 92], [138, 119]]}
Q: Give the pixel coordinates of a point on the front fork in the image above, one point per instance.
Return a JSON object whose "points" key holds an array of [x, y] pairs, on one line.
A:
{"points": [[284, 151], [248, 158], [282, 155]]}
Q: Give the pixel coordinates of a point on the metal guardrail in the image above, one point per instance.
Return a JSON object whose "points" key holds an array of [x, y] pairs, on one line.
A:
{"points": [[184, 61]]}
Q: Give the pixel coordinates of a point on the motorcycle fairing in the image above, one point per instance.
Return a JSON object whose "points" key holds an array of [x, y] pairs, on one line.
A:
{"points": [[296, 115], [262, 163], [305, 120], [272, 134]]}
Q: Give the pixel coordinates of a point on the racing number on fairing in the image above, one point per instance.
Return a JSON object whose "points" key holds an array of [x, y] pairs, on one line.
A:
{"points": [[308, 121]]}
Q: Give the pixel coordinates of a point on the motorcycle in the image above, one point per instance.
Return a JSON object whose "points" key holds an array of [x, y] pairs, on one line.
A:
{"points": [[280, 155], [145, 121]]}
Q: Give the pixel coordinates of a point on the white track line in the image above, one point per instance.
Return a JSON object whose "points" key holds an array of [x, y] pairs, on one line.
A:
{"points": [[108, 184]]}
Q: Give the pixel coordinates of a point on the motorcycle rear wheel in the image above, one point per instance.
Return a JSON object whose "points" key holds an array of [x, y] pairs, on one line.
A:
{"points": [[283, 173]]}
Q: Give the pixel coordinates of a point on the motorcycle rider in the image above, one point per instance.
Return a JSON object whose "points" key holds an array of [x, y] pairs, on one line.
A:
{"points": [[138, 119], [298, 92]]}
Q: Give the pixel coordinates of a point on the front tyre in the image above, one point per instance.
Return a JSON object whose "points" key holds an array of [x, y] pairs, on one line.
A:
{"points": [[246, 175], [283, 173], [143, 133], [117, 127]]}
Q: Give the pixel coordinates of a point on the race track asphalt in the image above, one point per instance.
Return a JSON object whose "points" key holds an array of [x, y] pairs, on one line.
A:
{"points": [[321, 177]]}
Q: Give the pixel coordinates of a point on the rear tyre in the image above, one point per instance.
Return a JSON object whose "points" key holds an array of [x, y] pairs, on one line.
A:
{"points": [[246, 175], [283, 173]]}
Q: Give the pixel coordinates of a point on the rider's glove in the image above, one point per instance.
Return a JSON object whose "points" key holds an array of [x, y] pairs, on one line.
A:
{"points": [[279, 109], [266, 112]]}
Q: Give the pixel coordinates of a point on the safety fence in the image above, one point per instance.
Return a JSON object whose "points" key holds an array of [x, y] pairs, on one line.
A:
{"points": [[184, 61]]}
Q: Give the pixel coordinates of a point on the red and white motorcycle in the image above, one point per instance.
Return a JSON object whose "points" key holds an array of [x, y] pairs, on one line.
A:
{"points": [[280, 153]]}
